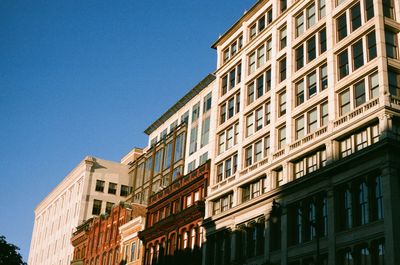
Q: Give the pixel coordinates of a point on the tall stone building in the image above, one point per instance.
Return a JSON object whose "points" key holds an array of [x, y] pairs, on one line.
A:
{"points": [[90, 189], [306, 168]]}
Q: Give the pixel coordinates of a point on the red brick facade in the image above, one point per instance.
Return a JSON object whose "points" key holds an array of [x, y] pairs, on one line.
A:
{"points": [[173, 233]]}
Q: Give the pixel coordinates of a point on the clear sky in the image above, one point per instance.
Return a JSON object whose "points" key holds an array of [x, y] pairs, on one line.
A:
{"points": [[87, 77]]}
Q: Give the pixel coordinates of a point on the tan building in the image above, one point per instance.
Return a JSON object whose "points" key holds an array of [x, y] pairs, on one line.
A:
{"points": [[131, 247], [91, 188], [316, 130]]}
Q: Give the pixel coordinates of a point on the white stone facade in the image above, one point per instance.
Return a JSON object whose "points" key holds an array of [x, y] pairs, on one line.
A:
{"points": [[69, 204]]}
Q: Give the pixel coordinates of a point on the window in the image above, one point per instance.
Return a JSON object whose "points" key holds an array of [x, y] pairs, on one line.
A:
{"points": [[282, 69], [205, 130], [312, 84], [281, 137], [369, 9], [311, 16], [371, 42], [342, 26], [359, 140], [227, 138], [282, 103], [256, 151], [125, 190], [193, 140], [344, 99], [109, 206], [299, 92], [133, 251], [232, 49], [195, 111], [299, 55], [388, 8], [394, 83], [282, 37], [322, 8], [259, 86], [374, 85], [311, 50], [100, 185], [222, 204], [343, 64], [248, 156], [229, 108], [173, 126], [322, 41], [96, 207], [227, 168], [203, 158], [231, 79], [157, 161], [323, 74], [252, 62], [207, 102], [282, 5], [358, 59], [299, 21], [112, 188], [191, 166], [359, 91], [185, 118], [253, 189], [147, 169], [355, 13], [391, 44], [315, 118]]}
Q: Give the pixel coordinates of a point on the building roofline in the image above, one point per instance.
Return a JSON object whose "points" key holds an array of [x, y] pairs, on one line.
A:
{"points": [[238, 23], [185, 99]]}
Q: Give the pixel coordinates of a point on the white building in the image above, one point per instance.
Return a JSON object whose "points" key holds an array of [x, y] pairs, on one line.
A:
{"points": [[89, 189]]}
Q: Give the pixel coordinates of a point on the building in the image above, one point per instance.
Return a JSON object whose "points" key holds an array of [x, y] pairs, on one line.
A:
{"points": [[79, 241], [91, 188], [179, 141], [173, 232], [131, 246], [104, 236], [306, 167]]}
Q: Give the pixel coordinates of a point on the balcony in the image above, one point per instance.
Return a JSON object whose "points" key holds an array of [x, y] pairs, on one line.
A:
{"points": [[366, 107], [308, 138]]}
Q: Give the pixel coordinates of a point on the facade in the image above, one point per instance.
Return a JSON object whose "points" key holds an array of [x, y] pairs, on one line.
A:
{"points": [[90, 189], [104, 237], [79, 241], [179, 141], [173, 232], [306, 167], [131, 246]]}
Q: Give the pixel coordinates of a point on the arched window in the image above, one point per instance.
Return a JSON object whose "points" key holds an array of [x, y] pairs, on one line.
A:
{"points": [[185, 239]]}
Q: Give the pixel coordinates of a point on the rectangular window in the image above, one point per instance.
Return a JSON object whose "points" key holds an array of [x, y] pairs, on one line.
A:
{"points": [[343, 64], [269, 49], [224, 85], [299, 53], [207, 102], [312, 121], [299, 169], [157, 161], [310, 16], [322, 41], [311, 51], [258, 151], [388, 8], [221, 143], [168, 156], [283, 38], [282, 104], [282, 69], [259, 119], [205, 130], [358, 56], [359, 93], [250, 94], [195, 111], [232, 78], [299, 92], [249, 125], [371, 42], [252, 62], [300, 128], [185, 118], [112, 188], [109, 206], [229, 140], [193, 140], [324, 77], [231, 108], [391, 44], [341, 26], [282, 137], [260, 86], [267, 113], [344, 99], [361, 140], [322, 8], [374, 85], [282, 5], [299, 24], [125, 190], [249, 156], [369, 8], [260, 56], [96, 207], [268, 78], [100, 185], [133, 251], [394, 83], [324, 114], [312, 84], [355, 13]]}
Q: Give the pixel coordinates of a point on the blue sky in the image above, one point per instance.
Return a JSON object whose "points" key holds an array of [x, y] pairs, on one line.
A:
{"points": [[87, 77]]}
